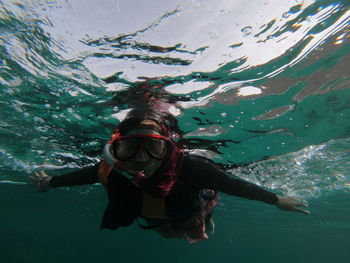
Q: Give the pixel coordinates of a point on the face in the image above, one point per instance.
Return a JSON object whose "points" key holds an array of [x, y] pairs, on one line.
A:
{"points": [[142, 161]]}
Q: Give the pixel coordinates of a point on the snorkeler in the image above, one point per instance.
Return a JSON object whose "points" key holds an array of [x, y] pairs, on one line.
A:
{"points": [[149, 177]]}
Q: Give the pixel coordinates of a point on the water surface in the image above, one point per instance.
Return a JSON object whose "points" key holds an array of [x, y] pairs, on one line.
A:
{"points": [[261, 82]]}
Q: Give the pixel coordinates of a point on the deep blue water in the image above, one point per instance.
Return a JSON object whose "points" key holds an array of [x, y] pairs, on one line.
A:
{"points": [[249, 81]]}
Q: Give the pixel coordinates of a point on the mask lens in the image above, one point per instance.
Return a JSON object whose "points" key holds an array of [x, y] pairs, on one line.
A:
{"points": [[157, 148], [126, 148]]}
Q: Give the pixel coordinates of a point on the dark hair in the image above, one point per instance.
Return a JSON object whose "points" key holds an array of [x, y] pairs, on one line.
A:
{"points": [[136, 116]]}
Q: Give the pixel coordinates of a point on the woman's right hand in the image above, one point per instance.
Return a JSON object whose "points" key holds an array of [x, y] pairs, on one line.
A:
{"points": [[293, 204], [40, 181]]}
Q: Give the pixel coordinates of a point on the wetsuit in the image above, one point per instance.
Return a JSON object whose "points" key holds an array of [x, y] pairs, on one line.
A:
{"points": [[197, 173]]}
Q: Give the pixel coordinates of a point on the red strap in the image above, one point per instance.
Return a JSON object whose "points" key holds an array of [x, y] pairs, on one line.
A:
{"points": [[115, 136], [156, 136]]}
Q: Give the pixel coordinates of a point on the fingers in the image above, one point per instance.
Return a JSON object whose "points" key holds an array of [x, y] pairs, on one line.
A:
{"points": [[34, 180], [38, 176], [296, 201], [39, 180], [300, 210], [41, 174], [35, 177], [300, 203], [292, 204]]}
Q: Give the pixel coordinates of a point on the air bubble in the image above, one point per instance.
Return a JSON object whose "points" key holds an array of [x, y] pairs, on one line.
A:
{"points": [[247, 31], [39, 120], [286, 15]]}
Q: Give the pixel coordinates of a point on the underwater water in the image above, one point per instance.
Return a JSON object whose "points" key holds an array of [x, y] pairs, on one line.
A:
{"points": [[260, 82]]}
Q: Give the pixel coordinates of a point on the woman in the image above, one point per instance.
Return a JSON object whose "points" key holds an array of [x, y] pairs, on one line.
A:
{"points": [[147, 175]]}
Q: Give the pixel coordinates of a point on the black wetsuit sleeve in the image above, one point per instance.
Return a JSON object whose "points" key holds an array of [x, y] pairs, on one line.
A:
{"points": [[203, 173], [88, 175]]}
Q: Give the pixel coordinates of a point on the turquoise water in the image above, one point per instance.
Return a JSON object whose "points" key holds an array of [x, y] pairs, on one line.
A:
{"points": [[249, 81]]}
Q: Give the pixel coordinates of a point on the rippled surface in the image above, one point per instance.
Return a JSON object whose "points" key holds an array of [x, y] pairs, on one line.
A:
{"points": [[256, 81]]}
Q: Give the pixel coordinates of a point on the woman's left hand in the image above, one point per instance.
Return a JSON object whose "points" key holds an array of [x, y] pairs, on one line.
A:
{"points": [[292, 204], [40, 181]]}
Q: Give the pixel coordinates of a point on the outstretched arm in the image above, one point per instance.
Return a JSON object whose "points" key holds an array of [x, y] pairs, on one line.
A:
{"points": [[206, 174], [44, 182]]}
